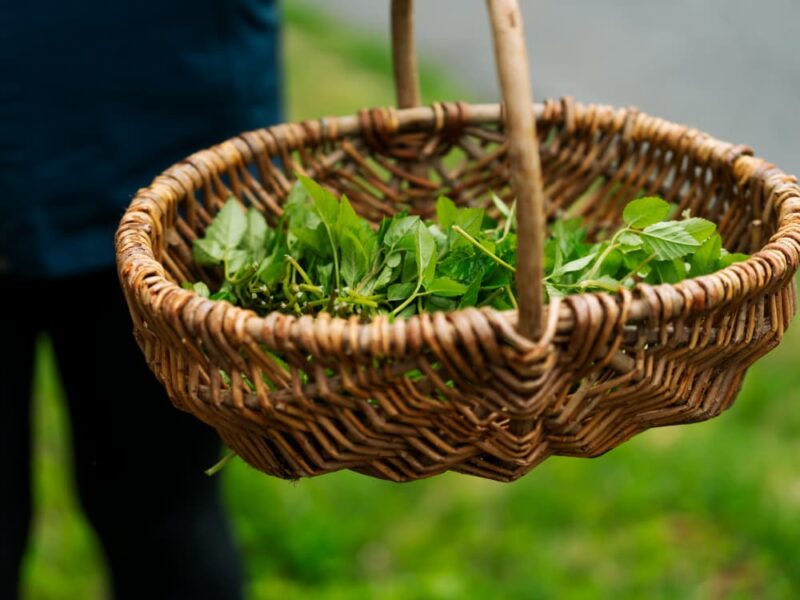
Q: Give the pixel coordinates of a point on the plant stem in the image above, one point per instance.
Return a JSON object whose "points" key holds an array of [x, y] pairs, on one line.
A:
{"points": [[483, 249], [220, 464], [509, 219], [299, 269], [612, 245], [491, 297], [642, 265], [511, 296], [408, 300]]}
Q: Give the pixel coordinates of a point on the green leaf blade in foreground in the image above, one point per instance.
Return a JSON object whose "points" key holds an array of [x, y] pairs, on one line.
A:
{"points": [[228, 227], [446, 212], [726, 258], [327, 207], [256, 234], [355, 260], [325, 203], [644, 212], [699, 229], [668, 240], [705, 259], [444, 286], [207, 252], [425, 253]]}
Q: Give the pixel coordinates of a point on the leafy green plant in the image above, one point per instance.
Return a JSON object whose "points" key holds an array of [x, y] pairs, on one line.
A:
{"points": [[321, 256]]}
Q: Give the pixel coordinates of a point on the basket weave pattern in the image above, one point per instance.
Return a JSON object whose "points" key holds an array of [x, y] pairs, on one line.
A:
{"points": [[463, 390]]}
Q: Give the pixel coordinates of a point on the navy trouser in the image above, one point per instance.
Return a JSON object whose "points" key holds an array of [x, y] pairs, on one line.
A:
{"points": [[139, 462]]}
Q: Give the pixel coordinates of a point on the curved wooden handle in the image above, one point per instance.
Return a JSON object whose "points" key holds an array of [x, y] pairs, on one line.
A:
{"points": [[523, 149], [404, 54]]}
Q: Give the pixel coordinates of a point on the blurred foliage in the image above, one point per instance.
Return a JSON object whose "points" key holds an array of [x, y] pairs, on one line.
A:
{"points": [[702, 511]]}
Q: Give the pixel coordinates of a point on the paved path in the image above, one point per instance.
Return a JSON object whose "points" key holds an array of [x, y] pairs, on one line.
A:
{"points": [[729, 67]]}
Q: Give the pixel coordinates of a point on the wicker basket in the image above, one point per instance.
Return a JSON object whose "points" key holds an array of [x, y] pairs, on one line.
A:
{"points": [[500, 391]]}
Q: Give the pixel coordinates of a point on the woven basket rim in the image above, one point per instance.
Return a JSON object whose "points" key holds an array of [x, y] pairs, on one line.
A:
{"points": [[732, 284]]}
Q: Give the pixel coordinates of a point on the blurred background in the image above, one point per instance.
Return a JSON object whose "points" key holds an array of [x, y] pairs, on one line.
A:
{"points": [[710, 510]]}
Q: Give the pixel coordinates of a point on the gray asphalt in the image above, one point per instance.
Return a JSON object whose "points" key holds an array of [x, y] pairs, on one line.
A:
{"points": [[728, 67]]}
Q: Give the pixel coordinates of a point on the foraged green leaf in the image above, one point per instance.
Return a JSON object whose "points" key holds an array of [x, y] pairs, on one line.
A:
{"points": [[644, 212], [271, 269], [726, 259], [235, 260], [399, 228], [704, 260], [355, 260], [576, 265], [255, 236], [699, 229], [207, 253], [444, 286], [400, 291], [446, 213], [425, 252], [629, 241], [668, 240], [198, 288], [470, 297], [667, 271], [228, 227], [322, 256]]}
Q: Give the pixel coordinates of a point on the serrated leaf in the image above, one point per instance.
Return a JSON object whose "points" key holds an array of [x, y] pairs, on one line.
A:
{"points": [[643, 212], [207, 253], [398, 229], [668, 240], [235, 260], [699, 229], [629, 241], [228, 226], [325, 203]]}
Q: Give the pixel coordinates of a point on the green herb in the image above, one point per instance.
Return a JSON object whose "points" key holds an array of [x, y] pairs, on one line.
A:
{"points": [[321, 256]]}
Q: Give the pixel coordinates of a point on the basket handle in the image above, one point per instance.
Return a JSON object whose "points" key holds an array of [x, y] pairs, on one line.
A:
{"points": [[511, 57]]}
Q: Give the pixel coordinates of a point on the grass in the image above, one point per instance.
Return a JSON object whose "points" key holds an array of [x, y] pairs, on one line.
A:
{"points": [[702, 511]]}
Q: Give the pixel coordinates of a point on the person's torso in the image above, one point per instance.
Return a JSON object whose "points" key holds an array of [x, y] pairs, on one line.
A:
{"points": [[96, 98]]}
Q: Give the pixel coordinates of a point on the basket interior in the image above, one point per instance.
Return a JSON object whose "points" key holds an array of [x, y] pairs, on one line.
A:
{"points": [[588, 173]]}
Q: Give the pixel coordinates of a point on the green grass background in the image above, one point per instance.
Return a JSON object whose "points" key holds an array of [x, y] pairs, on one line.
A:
{"points": [[710, 510]]}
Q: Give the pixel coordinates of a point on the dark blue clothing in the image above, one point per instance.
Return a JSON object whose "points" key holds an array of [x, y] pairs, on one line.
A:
{"points": [[97, 98]]}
